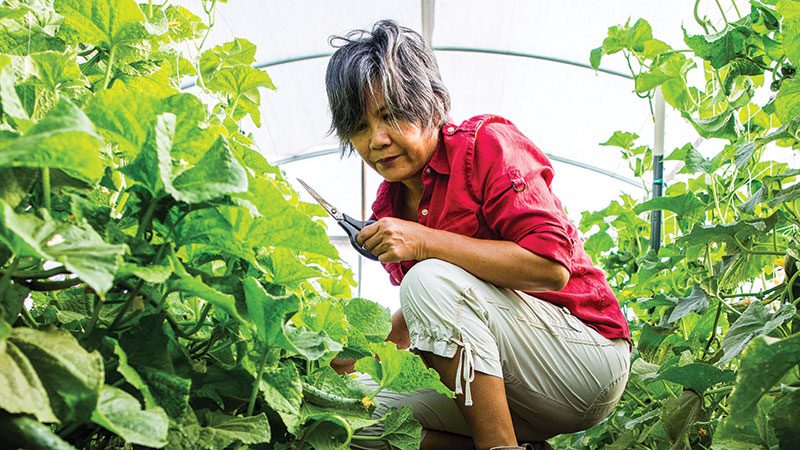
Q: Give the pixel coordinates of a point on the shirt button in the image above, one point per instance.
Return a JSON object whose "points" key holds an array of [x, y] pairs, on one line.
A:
{"points": [[424, 212], [428, 170], [451, 129]]}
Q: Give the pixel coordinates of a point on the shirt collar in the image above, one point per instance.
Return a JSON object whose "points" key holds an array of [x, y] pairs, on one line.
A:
{"points": [[385, 199]]}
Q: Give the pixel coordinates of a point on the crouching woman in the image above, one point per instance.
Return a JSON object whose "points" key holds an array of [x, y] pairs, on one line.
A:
{"points": [[497, 293]]}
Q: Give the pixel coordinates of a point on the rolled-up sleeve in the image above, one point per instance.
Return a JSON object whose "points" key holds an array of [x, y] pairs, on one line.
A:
{"points": [[512, 178]]}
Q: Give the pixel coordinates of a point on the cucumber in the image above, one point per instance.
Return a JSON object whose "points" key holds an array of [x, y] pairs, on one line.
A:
{"points": [[325, 399], [30, 434]]}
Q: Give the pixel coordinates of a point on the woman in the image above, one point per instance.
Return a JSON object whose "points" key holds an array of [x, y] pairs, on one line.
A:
{"points": [[497, 294]]}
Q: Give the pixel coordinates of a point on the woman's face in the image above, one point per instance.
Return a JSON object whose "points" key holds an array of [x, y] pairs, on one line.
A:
{"points": [[397, 151]]}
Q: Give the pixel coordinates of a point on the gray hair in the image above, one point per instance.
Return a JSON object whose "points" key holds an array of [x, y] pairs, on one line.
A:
{"points": [[402, 64]]}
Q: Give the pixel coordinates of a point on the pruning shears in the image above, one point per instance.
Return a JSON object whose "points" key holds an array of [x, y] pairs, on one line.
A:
{"points": [[351, 226]]}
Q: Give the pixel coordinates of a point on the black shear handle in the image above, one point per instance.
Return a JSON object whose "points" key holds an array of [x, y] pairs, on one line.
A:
{"points": [[352, 227]]}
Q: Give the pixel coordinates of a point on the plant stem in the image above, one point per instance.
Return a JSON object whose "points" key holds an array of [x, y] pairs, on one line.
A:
{"points": [[148, 217], [125, 306], [753, 252], [36, 274], [95, 316], [46, 187], [109, 64], [259, 371], [722, 11], [6, 280], [713, 330]]}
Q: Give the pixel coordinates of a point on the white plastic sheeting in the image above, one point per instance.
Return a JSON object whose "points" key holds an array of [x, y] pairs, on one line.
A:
{"points": [[565, 109]]}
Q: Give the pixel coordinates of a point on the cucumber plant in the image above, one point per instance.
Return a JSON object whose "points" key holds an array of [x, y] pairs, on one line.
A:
{"points": [[161, 284], [713, 311]]}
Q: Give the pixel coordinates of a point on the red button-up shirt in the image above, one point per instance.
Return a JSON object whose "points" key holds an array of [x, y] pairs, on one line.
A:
{"points": [[487, 180]]}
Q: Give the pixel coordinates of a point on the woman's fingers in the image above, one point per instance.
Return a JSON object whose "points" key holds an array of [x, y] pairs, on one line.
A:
{"points": [[367, 232]]}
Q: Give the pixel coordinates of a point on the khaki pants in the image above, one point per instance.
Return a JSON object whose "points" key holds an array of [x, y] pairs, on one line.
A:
{"points": [[560, 375]]}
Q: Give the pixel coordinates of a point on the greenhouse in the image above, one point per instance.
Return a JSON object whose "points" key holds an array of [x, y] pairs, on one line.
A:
{"points": [[399, 224]]}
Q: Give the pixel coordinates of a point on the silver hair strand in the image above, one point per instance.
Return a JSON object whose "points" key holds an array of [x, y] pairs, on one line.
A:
{"points": [[402, 64]]}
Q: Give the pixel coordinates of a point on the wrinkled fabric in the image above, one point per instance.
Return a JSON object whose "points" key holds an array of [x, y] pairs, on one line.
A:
{"points": [[560, 375], [487, 180]]}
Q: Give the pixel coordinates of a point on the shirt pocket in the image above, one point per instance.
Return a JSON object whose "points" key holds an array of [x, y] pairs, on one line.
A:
{"points": [[463, 222]]}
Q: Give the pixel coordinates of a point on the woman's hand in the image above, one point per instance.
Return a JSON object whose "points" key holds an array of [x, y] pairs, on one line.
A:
{"points": [[395, 240]]}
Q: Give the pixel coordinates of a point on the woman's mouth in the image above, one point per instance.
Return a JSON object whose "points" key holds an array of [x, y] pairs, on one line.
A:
{"points": [[387, 161]]}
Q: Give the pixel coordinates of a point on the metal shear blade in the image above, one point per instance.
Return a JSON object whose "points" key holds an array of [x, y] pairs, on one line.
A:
{"points": [[335, 213]]}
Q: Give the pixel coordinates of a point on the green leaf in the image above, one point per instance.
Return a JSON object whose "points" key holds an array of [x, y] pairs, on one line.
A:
{"points": [[787, 102], [720, 48], [129, 373], [755, 321], [223, 430], [71, 375], [694, 161], [784, 417], [59, 72], [312, 345], [400, 370], [753, 432], [152, 168], [283, 392], [697, 376], [104, 23], [790, 29], [123, 116], [82, 251], [269, 313], [120, 413], [678, 414], [685, 204], [695, 302], [9, 98], [288, 269], [401, 431], [622, 139], [598, 243], [703, 234], [282, 224], [183, 24], [21, 390], [63, 139], [753, 381], [25, 432], [169, 390], [195, 286], [234, 53], [326, 316], [217, 174], [595, 56], [367, 319]]}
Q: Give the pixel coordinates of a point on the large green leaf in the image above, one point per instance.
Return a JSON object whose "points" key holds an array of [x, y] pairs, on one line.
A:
{"points": [[9, 98], [283, 392], [326, 316], [21, 390], [704, 234], [183, 282], [123, 116], [784, 417], [697, 301], [369, 322], [269, 313], [82, 251], [119, 412], [790, 11], [152, 168], [71, 376], [59, 72], [216, 175], [282, 224], [787, 102], [764, 362], [719, 48], [401, 431], [756, 320], [697, 376], [105, 23], [679, 414], [237, 52], [223, 430], [169, 390], [64, 139], [400, 370]]}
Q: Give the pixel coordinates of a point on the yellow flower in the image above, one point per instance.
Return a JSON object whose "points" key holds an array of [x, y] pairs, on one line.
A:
{"points": [[367, 402]]}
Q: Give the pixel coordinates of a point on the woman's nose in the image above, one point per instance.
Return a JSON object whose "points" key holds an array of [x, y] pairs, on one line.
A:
{"points": [[379, 139]]}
